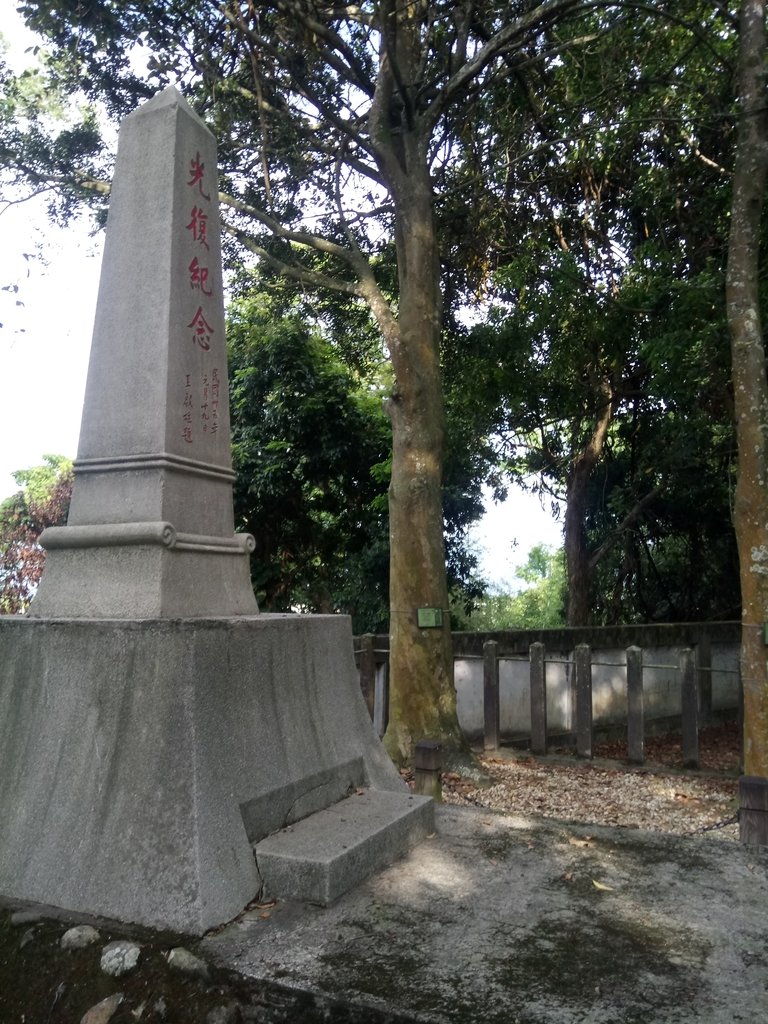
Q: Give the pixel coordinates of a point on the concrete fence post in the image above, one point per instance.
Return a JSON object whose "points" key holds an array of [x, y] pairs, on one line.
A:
{"points": [[583, 664], [428, 760], [689, 699], [753, 810], [491, 703], [368, 670], [704, 673], [635, 710], [536, 653]]}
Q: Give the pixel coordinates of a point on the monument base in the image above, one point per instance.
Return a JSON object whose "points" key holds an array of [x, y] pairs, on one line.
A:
{"points": [[142, 571], [141, 760]]}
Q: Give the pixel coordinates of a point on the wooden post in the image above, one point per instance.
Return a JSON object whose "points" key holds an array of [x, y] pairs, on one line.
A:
{"points": [[491, 708], [583, 662], [635, 710], [428, 761], [704, 673], [368, 670], [381, 699], [689, 694], [538, 699], [753, 810]]}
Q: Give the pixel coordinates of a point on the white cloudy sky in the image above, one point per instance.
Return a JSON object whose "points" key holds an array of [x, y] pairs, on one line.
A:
{"points": [[45, 341]]}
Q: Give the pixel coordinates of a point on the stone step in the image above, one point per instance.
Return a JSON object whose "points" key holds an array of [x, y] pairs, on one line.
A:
{"points": [[322, 856]]}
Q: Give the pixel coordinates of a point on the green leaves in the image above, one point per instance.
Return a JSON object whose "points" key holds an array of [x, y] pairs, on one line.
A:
{"points": [[42, 501], [306, 435]]}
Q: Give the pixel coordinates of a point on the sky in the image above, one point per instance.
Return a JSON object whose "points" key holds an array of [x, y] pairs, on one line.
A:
{"points": [[45, 342]]}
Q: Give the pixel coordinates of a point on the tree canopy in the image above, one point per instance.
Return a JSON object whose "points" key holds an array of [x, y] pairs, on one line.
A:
{"points": [[602, 364]]}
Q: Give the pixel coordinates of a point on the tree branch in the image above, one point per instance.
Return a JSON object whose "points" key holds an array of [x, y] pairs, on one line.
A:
{"points": [[629, 520], [304, 238], [302, 274], [502, 40], [336, 43]]}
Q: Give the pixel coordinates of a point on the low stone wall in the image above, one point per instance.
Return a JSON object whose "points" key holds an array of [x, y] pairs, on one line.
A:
{"points": [[661, 688], [716, 643]]}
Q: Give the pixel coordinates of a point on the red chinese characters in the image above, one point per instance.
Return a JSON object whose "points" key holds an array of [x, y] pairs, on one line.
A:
{"points": [[215, 385], [204, 417], [198, 277], [198, 225], [197, 173], [202, 330], [200, 410]]}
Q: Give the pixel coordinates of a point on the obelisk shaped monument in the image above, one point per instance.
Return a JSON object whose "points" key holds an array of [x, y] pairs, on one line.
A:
{"points": [[150, 532], [164, 752]]}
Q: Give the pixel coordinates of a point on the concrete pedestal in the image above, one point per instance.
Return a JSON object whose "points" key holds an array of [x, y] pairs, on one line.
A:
{"points": [[140, 760]]}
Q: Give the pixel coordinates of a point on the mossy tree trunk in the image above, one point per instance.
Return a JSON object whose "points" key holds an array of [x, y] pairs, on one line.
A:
{"points": [[422, 694], [749, 381]]}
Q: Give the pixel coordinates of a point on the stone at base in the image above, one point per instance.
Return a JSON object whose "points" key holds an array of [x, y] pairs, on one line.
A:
{"points": [[130, 749], [753, 810]]}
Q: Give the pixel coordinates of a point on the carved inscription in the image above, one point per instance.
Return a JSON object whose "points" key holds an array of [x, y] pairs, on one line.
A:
{"points": [[201, 391]]}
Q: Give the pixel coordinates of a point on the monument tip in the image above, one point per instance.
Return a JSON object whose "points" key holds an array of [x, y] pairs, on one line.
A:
{"points": [[165, 98]]}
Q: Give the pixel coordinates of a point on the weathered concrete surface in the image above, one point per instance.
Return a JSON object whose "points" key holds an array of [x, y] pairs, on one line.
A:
{"points": [[506, 920], [140, 759], [328, 853]]}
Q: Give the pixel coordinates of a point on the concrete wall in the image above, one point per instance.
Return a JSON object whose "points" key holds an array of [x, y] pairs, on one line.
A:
{"points": [[661, 688], [661, 646]]}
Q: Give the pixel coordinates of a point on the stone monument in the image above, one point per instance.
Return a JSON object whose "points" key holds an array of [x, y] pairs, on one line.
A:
{"points": [[167, 752], [150, 530]]}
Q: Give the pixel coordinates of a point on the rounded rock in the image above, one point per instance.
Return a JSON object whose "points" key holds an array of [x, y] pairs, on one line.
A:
{"points": [[79, 937], [182, 960], [104, 1011], [119, 957], [20, 917]]}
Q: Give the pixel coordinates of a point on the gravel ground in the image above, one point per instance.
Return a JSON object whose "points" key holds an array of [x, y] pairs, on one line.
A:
{"points": [[659, 796]]}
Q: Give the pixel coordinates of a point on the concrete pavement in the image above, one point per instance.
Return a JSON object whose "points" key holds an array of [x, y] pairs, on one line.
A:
{"points": [[510, 920]]}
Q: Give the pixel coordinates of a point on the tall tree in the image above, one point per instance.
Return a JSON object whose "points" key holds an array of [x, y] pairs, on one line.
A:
{"points": [[750, 384]]}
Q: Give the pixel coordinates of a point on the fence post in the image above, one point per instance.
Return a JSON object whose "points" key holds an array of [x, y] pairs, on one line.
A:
{"points": [[381, 699], [538, 699], [753, 810], [689, 699], [635, 712], [704, 673], [428, 758], [491, 706], [368, 670], [583, 660]]}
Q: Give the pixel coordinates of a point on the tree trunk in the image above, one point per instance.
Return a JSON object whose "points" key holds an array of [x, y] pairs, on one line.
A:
{"points": [[422, 695], [577, 560], [575, 543], [749, 381]]}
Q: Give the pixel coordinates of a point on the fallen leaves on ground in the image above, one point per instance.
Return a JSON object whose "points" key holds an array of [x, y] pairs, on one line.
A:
{"points": [[657, 796], [719, 749]]}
